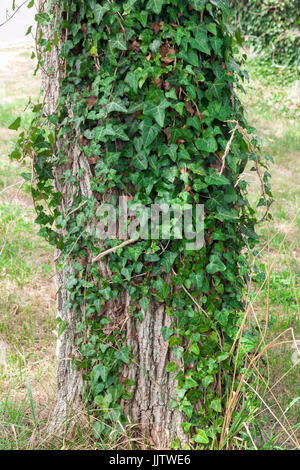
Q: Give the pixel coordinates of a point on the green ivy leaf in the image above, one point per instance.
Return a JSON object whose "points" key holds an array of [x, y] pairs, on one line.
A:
{"points": [[162, 288], [132, 78], [115, 106], [149, 131], [140, 161], [171, 367], [194, 348], [197, 280], [201, 437], [99, 371], [215, 89], [180, 392], [99, 12], [200, 43], [144, 303], [126, 273], [215, 265], [216, 405], [123, 355], [191, 57], [212, 28], [222, 4], [222, 356], [166, 332], [98, 429], [178, 352], [190, 383], [15, 125], [216, 44], [207, 144], [155, 5], [207, 381], [186, 427], [168, 260], [119, 43], [215, 179], [157, 111], [142, 17], [171, 150], [198, 4], [117, 132]]}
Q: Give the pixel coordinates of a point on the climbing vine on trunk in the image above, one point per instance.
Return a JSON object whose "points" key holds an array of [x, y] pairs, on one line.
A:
{"points": [[146, 108]]}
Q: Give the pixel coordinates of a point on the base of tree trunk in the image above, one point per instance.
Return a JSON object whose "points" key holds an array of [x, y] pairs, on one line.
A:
{"points": [[154, 387], [148, 410], [69, 379]]}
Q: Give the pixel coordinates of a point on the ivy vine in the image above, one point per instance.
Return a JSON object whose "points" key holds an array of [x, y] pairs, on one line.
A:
{"points": [[149, 95]]}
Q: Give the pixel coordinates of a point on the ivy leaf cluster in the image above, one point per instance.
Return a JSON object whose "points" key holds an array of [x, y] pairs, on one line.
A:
{"points": [[149, 97]]}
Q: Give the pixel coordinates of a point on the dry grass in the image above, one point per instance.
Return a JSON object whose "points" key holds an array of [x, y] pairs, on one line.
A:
{"points": [[274, 110], [271, 374], [27, 301]]}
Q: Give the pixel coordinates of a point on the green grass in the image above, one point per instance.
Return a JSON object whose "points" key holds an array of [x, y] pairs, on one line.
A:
{"points": [[27, 300], [272, 102], [15, 428]]}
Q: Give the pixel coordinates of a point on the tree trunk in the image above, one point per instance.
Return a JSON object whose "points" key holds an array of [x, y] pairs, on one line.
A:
{"points": [[69, 380], [149, 408]]}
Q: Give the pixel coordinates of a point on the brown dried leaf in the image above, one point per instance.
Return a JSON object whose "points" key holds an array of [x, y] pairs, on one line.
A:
{"points": [[189, 108], [167, 86], [82, 140], [94, 159], [166, 50], [158, 82], [70, 163], [136, 114], [156, 27], [168, 135], [83, 262], [134, 46], [15, 310], [91, 101]]}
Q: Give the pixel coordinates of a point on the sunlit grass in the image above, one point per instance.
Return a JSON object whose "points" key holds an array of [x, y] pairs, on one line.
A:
{"points": [[27, 300]]}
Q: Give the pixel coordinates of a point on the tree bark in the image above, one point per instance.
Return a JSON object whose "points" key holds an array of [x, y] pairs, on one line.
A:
{"points": [[69, 380], [149, 408]]}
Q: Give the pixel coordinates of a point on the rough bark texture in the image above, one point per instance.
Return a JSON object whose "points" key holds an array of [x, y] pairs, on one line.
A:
{"points": [[149, 408], [69, 381], [154, 387]]}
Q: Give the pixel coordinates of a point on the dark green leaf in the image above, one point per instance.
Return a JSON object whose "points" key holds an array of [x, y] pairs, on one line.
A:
{"points": [[15, 125]]}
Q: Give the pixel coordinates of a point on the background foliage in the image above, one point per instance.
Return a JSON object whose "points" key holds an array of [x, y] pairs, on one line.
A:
{"points": [[272, 27]]}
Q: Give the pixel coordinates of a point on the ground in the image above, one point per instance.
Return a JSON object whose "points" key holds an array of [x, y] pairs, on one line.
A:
{"points": [[27, 300]]}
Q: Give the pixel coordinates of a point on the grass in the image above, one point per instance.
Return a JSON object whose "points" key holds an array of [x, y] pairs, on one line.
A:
{"points": [[272, 102], [27, 300]]}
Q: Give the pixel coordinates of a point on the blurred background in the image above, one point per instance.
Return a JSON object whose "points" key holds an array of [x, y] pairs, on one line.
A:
{"points": [[15, 29]]}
